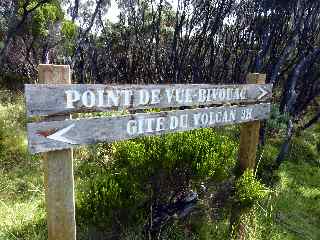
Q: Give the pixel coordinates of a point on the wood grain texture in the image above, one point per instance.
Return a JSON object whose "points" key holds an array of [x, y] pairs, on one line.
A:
{"points": [[249, 133], [249, 139], [48, 136], [46, 100], [58, 171]]}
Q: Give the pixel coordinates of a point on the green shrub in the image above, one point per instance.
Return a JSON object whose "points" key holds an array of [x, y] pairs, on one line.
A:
{"points": [[13, 142], [203, 227], [266, 162], [249, 190], [174, 232], [138, 172], [269, 155], [302, 151], [277, 123]]}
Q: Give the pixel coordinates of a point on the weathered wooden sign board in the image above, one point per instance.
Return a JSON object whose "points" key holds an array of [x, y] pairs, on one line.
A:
{"points": [[57, 99], [46, 99], [48, 136]]}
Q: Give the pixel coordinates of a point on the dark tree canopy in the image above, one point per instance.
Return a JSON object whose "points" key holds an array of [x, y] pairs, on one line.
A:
{"points": [[201, 41]]}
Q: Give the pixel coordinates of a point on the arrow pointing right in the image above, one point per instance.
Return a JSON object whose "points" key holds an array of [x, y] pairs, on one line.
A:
{"points": [[263, 93]]}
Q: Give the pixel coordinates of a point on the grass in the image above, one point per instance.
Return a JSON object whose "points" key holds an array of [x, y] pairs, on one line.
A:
{"points": [[22, 214], [290, 212], [22, 211], [298, 201]]}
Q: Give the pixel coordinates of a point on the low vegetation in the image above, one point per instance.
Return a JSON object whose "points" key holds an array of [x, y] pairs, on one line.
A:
{"points": [[121, 187]]}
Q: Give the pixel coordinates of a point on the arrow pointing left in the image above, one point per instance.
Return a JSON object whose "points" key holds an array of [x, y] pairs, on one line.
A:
{"points": [[57, 136]]}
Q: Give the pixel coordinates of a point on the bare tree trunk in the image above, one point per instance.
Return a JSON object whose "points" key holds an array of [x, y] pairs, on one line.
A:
{"points": [[285, 146], [314, 120]]}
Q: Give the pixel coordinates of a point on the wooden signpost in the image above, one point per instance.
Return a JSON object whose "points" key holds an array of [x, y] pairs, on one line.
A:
{"points": [[48, 136], [50, 99], [207, 106]]}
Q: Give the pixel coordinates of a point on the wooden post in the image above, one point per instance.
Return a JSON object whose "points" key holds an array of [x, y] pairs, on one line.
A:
{"points": [[249, 139], [58, 171], [249, 132]]}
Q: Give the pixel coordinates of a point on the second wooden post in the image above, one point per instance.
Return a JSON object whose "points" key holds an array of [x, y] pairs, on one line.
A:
{"points": [[249, 132], [249, 139]]}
